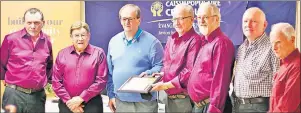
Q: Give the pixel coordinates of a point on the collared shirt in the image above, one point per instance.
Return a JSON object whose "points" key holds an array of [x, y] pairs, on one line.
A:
{"points": [[83, 75], [255, 66], [285, 95], [129, 42], [210, 76], [25, 64], [125, 61], [179, 57]]}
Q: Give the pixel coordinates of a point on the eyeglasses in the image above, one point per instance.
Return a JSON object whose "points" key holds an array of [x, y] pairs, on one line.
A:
{"points": [[127, 19], [80, 35], [179, 18], [204, 17]]}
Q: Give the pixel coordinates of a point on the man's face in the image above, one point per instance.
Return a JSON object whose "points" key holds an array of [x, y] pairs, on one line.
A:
{"points": [[80, 39], [281, 45], [253, 24], [33, 23], [129, 20], [207, 22], [182, 21]]}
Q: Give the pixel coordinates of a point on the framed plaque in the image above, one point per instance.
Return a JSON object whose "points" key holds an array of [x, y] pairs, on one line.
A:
{"points": [[139, 85]]}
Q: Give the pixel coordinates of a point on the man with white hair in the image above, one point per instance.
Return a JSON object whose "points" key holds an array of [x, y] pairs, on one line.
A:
{"points": [[285, 95], [179, 56], [255, 65], [210, 77]]}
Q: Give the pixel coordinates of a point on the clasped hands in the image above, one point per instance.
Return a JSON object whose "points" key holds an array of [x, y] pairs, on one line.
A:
{"points": [[75, 104]]}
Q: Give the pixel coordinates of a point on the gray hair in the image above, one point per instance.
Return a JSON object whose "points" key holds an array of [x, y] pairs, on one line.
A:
{"points": [[287, 29], [213, 8], [186, 7], [33, 11], [137, 9]]}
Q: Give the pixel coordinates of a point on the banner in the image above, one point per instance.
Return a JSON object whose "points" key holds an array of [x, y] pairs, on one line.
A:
{"points": [[102, 16]]}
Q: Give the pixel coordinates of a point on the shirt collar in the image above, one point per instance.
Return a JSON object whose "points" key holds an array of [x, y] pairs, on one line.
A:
{"points": [[186, 36], [24, 34], [290, 57], [213, 34], [136, 37], [88, 50], [257, 41]]}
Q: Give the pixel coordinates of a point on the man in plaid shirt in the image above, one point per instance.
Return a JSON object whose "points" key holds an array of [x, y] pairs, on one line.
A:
{"points": [[255, 65]]}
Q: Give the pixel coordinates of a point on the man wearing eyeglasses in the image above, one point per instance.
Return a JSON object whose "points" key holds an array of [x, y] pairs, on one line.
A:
{"points": [[132, 52], [210, 77], [180, 53], [80, 73], [26, 62]]}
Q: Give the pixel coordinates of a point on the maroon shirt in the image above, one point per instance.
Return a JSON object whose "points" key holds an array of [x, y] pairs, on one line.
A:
{"points": [[210, 77], [24, 64], [179, 57], [285, 95], [83, 75]]}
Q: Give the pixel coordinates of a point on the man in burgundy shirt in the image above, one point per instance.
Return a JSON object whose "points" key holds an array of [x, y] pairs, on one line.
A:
{"points": [[285, 95], [26, 61], [80, 73], [179, 56], [210, 77]]}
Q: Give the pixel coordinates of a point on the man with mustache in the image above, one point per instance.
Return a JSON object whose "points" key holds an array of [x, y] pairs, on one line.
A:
{"points": [[209, 80]]}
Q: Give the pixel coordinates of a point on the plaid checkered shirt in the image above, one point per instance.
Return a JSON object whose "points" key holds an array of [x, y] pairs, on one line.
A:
{"points": [[255, 67]]}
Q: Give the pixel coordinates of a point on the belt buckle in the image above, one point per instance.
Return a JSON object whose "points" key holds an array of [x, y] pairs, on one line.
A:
{"points": [[28, 91]]}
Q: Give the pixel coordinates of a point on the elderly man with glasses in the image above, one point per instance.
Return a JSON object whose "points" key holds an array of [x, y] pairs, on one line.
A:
{"points": [[210, 76], [179, 56]]}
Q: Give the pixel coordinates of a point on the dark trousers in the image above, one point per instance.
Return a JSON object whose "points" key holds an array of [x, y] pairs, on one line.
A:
{"points": [[93, 106], [204, 109], [250, 107], [25, 103]]}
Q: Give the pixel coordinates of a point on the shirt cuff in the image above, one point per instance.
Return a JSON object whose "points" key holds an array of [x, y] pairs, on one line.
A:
{"points": [[85, 96], [176, 82], [148, 72], [213, 109]]}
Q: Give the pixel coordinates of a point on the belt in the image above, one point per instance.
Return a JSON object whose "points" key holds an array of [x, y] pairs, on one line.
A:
{"points": [[177, 96], [202, 103], [24, 90], [253, 100]]}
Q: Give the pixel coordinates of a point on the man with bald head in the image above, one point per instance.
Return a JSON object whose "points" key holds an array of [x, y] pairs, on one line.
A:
{"points": [[285, 95], [255, 65], [132, 52], [179, 56], [210, 76]]}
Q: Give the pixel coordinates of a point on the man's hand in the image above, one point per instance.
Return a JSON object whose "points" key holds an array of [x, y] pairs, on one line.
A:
{"points": [[143, 74], [74, 103], [10, 109], [158, 74], [162, 86], [112, 104], [78, 109]]}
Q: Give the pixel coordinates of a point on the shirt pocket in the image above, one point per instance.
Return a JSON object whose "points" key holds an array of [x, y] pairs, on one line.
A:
{"points": [[279, 88]]}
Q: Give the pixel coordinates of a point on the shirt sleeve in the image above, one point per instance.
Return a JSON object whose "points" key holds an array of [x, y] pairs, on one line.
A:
{"points": [[57, 79], [155, 56], [4, 49], [290, 100], [110, 85], [49, 64], [181, 80], [100, 79], [223, 55]]}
